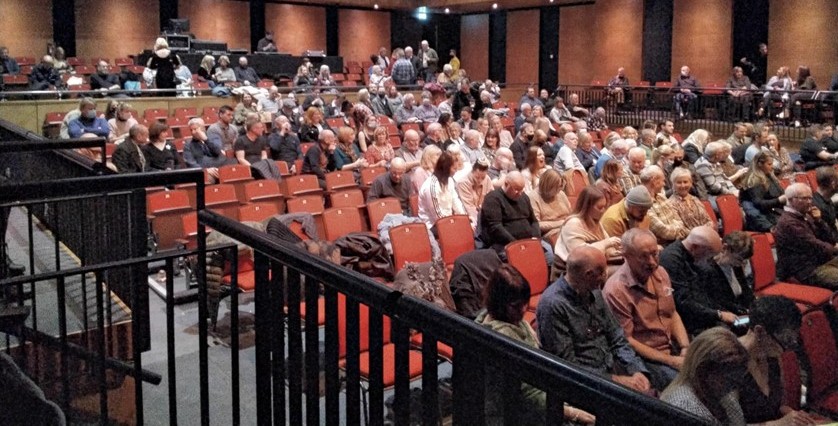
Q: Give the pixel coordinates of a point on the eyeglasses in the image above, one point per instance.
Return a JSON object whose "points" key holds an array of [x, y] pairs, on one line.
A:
{"points": [[809, 198]]}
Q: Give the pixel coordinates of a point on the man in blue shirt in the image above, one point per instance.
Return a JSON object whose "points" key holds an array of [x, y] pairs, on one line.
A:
{"points": [[88, 122]]}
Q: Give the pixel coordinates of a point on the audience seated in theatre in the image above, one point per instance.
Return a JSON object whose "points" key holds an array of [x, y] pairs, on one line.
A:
{"points": [[534, 167], [427, 165], [380, 153], [646, 139], [616, 150], [410, 151], [723, 275], [689, 208], [710, 169], [288, 109], [201, 152], [427, 112], [377, 78], [44, 76], [394, 99], [128, 157], [609, 182], [224, 75], [631, 213], [366, 130], [708, 382], [693, 301], [347, 155], [773, 328], [445, 78], [560, 113], [738, 138], [393, 184], [471, 145], [575, 324], [666, 131], [640, 296], [455, 135], [159, 153], [523, 117], [380, 102], [270, 104], [438, 196], [586, 151], [319, 158], [520, 145], [631, 175], [474, 188], [461, 105], [830, 139], [738, 88], [121, 123], [491, 143], [305, 74], [686, 89], [665, 222], [806, 246], [407, 112], [762, 197], [8, 64], [506, 296], [324, 77], [501, 166], [246, 106], [698, 189], [284, 143], [550, 204], [206, 70], [223, 133], [507, 216], [813, 152], [596, 121], [164, 62], [619, 87], [88, 121], [827, 179], [362, 110], [777, 90], [529, 98], [103, 80], [505, 136], [566, 159], [313, 125]]}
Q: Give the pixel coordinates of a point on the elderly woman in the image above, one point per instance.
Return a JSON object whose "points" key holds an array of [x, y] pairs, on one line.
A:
{"points": [[609, 182], [550, 204], [304, 74], [534, 167], [246, 106], [427, 164], [313, 124], [324, 77], [707, 382], [506, 297], [377, 77], [773, 327], [438, 196], [690, 209], [455, 134], [381, 152], [694, 145], [224, 75], [583, 228], [730, 290], [762, 197], [446, 76]]}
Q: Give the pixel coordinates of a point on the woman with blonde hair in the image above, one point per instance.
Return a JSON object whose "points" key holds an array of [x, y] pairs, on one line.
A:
{"points": [[777, 89], [534, 167], [783, 166], [224, 75], [762, 197], [164, 62], [427, 164], [313, 124], [609, 182], [550, 204], [365, 135], [347, 155], [205, 70], [629, 132], [381, 152], [707, 382]]}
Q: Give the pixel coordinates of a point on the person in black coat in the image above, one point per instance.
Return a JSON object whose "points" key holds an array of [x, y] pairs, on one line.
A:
{"points": [[165, 62], [762, 197], [724, 275], [44, 76], [128, 156]]}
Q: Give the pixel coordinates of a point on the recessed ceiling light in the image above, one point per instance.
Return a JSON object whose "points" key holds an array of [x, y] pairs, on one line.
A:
{"points": [[447, 10], [494, 5], [375, 6]]}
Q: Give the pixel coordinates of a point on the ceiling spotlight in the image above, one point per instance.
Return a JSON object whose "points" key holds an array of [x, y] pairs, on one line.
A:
{"points": [[375, 6], [447, 10], [494, 5]]}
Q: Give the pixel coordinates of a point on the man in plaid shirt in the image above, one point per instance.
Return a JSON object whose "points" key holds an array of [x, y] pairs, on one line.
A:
{"points": [[403, 72]]}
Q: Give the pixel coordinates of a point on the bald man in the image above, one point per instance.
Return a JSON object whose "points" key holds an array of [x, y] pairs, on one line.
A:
{"points": [[566, 312], [410, 150], [694, 304], [507, 216], [392, 184]]}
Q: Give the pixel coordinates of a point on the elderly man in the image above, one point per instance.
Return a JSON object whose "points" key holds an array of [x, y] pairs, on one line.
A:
{"points": [[88, 122], [568, 309], [523, 117], [664, 220], [427, 112], [566, 158], [710, 169], [128, 157], [44, 75], [8, 64], [244, 74], [410, 150], [271, 103], [521, 144], [403, 73], [471, 148], [199, 152], [680, 260], [686, 91], [648, 140], [618, 88], [631, 174], [640, 296], [586, 151], [392, 184], [507, 216], [103, 80], [628, 214], [474, 188], [223, 132], [378, 99], [433, 136], [618, 151], [407, 112], [284, 143], [428, 60], [806, 246], [501, 165], [560, 113], [325, 147]]}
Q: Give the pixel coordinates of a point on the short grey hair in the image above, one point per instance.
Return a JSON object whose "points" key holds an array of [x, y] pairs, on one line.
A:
{"points": [[679, 172], [196, 121], [649, 173], [712, 149], [796, 189]]}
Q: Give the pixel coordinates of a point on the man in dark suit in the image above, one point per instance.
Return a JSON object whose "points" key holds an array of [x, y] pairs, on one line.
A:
{"points": [[724, 274], [128, 157]]}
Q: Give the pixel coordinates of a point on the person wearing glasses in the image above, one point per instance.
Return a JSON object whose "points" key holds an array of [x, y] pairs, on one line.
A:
{"points": [[575, 324], [806, 248]]}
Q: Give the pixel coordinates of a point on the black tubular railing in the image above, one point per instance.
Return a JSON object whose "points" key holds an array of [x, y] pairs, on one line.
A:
{"points": [[283, 271], [713, 110]]}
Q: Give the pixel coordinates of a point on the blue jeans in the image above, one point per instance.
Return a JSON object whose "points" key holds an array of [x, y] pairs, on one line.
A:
{"points": [[660, 375]]}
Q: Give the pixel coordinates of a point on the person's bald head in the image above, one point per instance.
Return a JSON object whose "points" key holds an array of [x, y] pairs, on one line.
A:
{"points": [[637, 159], [586, 269], [703, 242], [411, 140], [397, 169], [513, 187]]}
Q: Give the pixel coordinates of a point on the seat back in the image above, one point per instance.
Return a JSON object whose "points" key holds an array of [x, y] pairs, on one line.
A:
{"points": [[262, 190], [528, 258], [301, 185], [377, 209], [762, 263], [819, 345], [339, 221], [410, 244], [363, 327], [166, 201], [577, 180], [257, 212], [340, 180], [369, 174], [168, 209], [234, 173], [306, 204], [222, 199], [709, 209], [455, 237], [347, 198], [790, 368], [731, 213]]}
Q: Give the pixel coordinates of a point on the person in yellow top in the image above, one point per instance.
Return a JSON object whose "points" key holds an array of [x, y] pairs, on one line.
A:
{"points": [[631, 213], [454, 62]]}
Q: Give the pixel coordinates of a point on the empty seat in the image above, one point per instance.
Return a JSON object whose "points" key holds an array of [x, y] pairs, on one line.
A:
{"points": [[165, 210], [301, 185], [411, 243], [368, 174], [527, 257], [347, 198], [339, 221], [257, 212], [455, 237], [264, 192], [377, 209], [340, 180], [222, 199]]}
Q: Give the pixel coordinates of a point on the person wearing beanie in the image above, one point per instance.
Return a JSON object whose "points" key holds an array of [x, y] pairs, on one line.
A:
{"points": [[631, 213]]}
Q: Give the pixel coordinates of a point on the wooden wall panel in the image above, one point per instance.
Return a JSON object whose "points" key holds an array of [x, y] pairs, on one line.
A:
{"points": [[362, 33], [222, 20], [619, 39], [804, 35], [522, 46], [474, 55], [702, 39], [116, 29], [578, 33], [26, 26], [296, 28]]}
